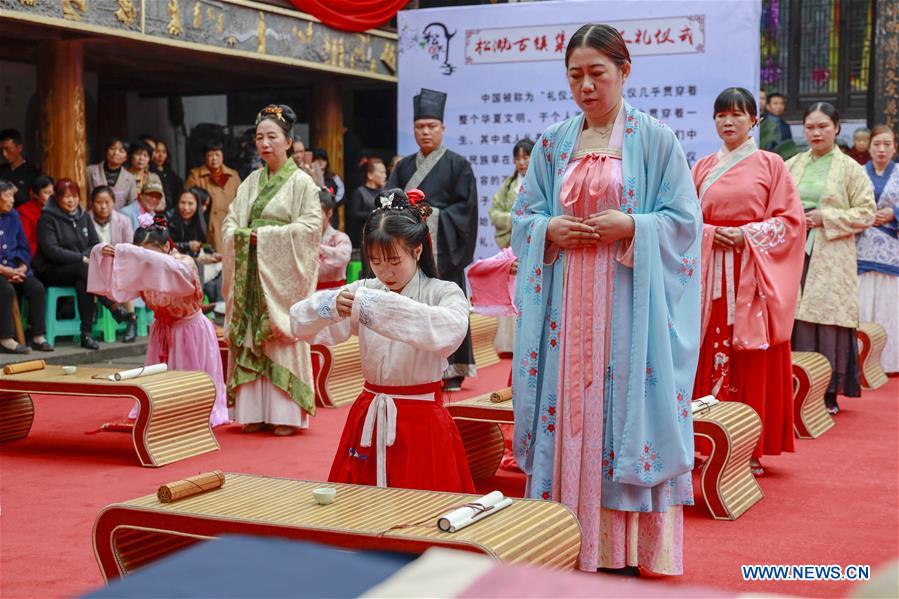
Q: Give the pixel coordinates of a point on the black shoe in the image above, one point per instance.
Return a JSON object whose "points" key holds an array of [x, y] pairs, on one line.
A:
{"points": [[628, 571], [19, 349], [130, 332], [88, 342], [120, 315], [453, 384], [42, 346]]}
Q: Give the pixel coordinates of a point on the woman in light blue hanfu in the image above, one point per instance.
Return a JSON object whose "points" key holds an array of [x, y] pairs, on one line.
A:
{"points": [[607, 229]]}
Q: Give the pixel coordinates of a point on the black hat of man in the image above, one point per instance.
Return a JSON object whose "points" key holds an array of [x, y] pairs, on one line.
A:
{"points": [[429, 104]]}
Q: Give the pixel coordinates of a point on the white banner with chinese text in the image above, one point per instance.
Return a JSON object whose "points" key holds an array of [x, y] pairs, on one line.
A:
{"points": [[503, 69]]}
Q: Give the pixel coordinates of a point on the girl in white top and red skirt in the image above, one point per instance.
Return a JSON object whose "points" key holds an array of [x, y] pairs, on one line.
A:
{"points": [[397, 434]]}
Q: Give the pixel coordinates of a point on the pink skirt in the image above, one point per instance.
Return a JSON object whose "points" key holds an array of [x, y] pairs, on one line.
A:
{"points": [[190, 344]]}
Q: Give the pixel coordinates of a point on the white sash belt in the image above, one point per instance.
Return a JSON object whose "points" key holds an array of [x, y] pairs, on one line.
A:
{"points": [[724, 265], [382, 410]]}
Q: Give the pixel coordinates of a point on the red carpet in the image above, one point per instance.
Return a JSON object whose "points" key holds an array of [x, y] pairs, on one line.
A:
{"points": [[832, 502]]}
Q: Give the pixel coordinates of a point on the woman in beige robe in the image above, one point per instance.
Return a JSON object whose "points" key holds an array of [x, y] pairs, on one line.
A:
{"points": [[271, 237], [838, 199]]}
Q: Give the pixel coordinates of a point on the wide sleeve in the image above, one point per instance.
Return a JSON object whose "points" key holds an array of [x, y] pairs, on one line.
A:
{"points": [[842, 222], [315, 319], [438, 329], [772, 267], [287, 255], [458, 223], [50, 246], [334, 259], [134, 270]]}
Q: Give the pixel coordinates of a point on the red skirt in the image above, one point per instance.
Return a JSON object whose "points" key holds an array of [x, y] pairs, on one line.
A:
{"points": [[762, 379], [427, 452]]}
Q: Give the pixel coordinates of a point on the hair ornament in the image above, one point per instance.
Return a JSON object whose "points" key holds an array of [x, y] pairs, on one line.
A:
{"points": [[271, 111], [416, 196], [145, 220]]}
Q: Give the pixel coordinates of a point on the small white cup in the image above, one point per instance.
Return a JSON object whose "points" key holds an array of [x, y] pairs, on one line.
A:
{"points": [[69, 369], [324, 495]]}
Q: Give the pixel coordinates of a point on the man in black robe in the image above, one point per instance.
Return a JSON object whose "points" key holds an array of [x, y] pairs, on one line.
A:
{"points": [[450, 188]]}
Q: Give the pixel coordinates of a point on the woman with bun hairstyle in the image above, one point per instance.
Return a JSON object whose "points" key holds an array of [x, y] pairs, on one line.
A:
{"points": [[408, 322], [271, 238]]}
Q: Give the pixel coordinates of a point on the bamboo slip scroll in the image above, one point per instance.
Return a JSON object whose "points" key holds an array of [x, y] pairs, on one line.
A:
{"points": [[21, 367], [501, 395], [193, 485]]}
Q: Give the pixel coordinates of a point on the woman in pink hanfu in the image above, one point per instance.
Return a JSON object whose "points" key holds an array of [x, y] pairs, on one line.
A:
{"points": [[181, 336], [752, 251]]}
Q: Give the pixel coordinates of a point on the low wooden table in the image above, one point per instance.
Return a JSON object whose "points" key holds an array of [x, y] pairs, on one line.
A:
{"points": [[172, 424], [131, 534], [811, 377], [733, 428], [478, 421], [872, 338]]}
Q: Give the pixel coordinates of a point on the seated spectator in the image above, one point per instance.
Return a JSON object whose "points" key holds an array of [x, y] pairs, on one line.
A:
{"points": [[171, 182], [17, 278], [334, 250], [30, 211], [66, 235], [221, 183], [861, 141], [16, 170], [187, 226], [113, 228], [139, 162], [150, 201], [111, 172]]}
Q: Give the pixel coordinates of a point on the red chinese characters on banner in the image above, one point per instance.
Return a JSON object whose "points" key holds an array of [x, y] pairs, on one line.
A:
{"points": [[645, 37], [522, 45]]}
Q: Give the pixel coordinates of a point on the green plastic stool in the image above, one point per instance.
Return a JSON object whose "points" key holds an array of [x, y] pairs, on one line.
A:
{"points": [[144, 320], [60, 327], [353, 270], [106, 325]]}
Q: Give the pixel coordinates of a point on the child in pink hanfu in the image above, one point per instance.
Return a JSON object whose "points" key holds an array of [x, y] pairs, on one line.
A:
{"points": [[181, 336], [335, 248]]}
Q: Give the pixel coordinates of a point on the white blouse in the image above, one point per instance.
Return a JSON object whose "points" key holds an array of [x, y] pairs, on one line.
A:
{"points": [[404, 338]]}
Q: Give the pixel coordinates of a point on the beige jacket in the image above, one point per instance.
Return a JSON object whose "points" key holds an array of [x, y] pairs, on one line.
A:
{"points": [[220, 199], [830, 295]]}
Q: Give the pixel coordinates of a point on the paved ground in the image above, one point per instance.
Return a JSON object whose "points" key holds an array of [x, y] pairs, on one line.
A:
{"points": [[69, 353]]}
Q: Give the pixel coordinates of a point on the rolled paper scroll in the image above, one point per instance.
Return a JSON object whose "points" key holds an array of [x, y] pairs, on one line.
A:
{"points": [[24, 367], [501, 395], [472, 512], [190, 486], [124, 375], [704, 403]]}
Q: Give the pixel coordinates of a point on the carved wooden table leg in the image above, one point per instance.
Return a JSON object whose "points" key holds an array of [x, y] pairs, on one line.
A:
{"points": [[484, 447], [173, 421], [871, 341], [811, 376], [16, 415], [728, 486]]}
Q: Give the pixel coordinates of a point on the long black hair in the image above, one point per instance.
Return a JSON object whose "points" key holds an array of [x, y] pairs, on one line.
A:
{"points": [[192, 229], [396, 218], [525, 144], [155, 234]]}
